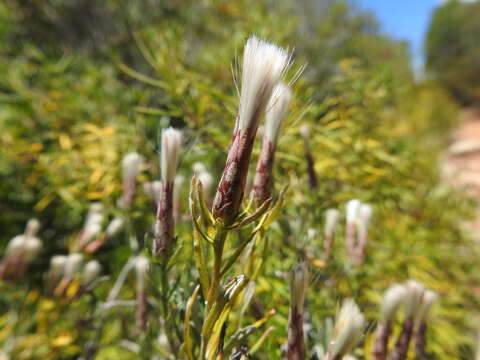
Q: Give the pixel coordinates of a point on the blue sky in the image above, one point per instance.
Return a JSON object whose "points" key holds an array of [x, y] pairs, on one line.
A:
{"points": [[404, 19]]}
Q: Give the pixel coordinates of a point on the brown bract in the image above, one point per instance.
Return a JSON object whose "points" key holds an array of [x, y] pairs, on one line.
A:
{"points": [[263, 176]]}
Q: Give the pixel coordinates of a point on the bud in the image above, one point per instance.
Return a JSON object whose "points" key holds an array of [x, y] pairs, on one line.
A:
{"points": [[298, 289], [33, 225], [263, 65], [92, 226], [73, 265], [131, 166], [171, 144], [91, 270], [349, 326], [114, 227], [57, 265], [275, 115]]}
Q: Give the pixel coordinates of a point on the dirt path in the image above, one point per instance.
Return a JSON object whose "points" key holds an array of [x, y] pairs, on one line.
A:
{"points": [[461, 164]]}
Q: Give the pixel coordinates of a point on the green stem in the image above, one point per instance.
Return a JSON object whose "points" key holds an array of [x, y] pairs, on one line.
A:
{"points": [[169, 327]]}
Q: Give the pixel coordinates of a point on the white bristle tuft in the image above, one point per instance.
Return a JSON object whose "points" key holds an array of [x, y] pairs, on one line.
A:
{"points": [[349, 327], [331, 220], [364, 217], [171, 145], [132, 165], [304, 131], [392, 299], [198, 167], [32, 247], [207, 183], [263, 65], [16, 244], [276, 111]]}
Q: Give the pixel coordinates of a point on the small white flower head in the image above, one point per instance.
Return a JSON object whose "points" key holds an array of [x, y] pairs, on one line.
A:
{"points": [[33, 225], [364, 216], [32, 248], [413, 297], [298, 286], [312, 233], [57, 265], [132, 164], [263, 65], [207, 183], [349, 326], [352, 208], [73, 264], [178, 184], [198, 167], [276, 111], [429, 298], [304, 131], [171, 145], [114, 227], [141, 265], [90, 272], [393, 298], [152, 189], [16, 244], [331, 220]]}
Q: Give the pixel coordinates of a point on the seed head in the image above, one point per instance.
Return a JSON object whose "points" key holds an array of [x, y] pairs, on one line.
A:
{"points": [[171, 146], [263, 65], [276, 111], [394, 296], [349, 326]]}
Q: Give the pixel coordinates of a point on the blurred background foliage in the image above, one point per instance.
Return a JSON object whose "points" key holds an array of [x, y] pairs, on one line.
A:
{"points": [[82, 83]]}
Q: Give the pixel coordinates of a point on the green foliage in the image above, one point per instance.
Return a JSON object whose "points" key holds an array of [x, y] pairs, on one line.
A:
{"points": [[452, 48], [375, 135]]}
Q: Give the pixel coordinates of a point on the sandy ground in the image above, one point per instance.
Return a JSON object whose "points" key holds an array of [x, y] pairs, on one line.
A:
{"points": [[461, 164]]}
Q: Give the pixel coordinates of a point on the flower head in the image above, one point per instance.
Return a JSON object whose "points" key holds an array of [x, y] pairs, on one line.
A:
{"points": [[57, 265], [298, 286], [171, 145], [33, 225], [32, 247], [276, 111], [263, 65], [73, 264], [349, 326], [331, 220], [90, 272], [352, 209], [114, 227], [132, 165], [413, 297], [392, 299], [364, 215], [428, 299]]}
